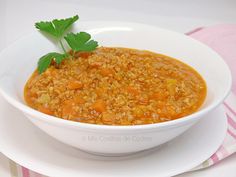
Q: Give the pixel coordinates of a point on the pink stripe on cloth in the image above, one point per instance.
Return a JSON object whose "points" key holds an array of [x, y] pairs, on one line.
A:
{"points": [[214, 158], [231, 109], [232, 134], [25, 172], [231, 121]]}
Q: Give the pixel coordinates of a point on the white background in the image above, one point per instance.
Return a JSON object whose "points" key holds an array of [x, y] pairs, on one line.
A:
{"points": [[17, 18]]}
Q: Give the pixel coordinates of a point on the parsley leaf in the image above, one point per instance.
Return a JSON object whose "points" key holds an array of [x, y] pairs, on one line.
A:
{"points": [[78, 42], [45, 61], [81, 41], [57, 27]]}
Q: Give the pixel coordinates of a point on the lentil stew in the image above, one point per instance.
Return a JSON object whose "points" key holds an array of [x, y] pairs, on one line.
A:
{"points": [[117, 86]]}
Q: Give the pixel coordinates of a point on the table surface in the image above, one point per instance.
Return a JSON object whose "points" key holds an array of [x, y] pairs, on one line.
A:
{"points": [[17, 19]]}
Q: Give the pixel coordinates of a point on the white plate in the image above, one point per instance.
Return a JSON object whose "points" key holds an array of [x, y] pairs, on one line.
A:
{"points": [[22, 142]]}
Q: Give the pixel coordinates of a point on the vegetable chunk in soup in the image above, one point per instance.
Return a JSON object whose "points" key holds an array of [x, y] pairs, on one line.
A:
{"points": [[117, 86]]}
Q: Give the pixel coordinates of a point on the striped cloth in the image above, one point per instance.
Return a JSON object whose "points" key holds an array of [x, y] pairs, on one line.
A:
{"points": [[221, 38], [229, 144]]}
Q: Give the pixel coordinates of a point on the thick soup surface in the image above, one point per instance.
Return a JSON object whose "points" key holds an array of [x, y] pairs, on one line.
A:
{"points": [[117, 86]]}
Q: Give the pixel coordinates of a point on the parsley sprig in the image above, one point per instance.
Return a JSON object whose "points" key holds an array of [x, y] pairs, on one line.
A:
{"points": [[78, 42]]}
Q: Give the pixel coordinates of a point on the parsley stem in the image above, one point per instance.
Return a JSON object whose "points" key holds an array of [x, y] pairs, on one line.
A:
{"points": [[63, 48], [73, 54]]}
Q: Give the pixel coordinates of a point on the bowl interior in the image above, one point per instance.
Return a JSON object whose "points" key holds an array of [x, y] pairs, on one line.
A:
{"points": [[20, 59]]}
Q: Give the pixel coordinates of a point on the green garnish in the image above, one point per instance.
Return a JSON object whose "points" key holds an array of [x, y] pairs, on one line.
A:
{"points": [[56, 27], [81, 41], [78, 42], [45, 61]]}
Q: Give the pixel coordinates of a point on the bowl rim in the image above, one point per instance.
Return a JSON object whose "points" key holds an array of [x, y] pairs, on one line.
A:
{"points": [[55, 120]]}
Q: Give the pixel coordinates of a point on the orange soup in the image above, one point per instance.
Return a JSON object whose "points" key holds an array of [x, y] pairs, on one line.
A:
{"points": [[117, 86]]}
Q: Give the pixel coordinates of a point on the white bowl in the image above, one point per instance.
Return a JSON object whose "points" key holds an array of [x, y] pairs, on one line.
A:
{"points": [[19, 60]]}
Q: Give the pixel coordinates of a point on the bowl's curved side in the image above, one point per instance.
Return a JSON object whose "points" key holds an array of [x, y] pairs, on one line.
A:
{"points": [[108, 142]]}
